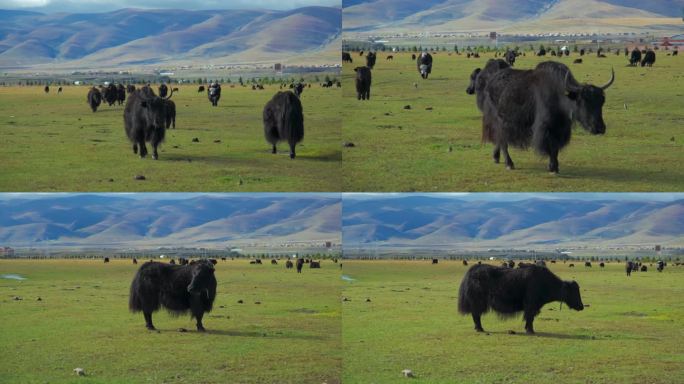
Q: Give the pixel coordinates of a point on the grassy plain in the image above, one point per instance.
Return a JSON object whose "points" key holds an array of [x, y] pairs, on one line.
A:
{"points": [[436, 144], [630, 332], [51, 142], [82, 320]]}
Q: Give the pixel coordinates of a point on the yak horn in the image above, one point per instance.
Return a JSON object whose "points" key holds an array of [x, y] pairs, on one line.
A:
{"points": [[612, 79], [169, 96]]}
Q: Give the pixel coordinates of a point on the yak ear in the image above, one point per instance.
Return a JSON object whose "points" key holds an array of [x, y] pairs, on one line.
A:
{"points": [[571, 95]]}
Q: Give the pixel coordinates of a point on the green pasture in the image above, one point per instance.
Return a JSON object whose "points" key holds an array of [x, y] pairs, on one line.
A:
{"points": [[436, 144], [51, 142], [82, 320], [402, 315]]}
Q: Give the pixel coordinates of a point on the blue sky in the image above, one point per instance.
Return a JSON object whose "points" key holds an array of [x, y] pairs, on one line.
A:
{"points": [[525, 196], [49, 6], [162, 195]]}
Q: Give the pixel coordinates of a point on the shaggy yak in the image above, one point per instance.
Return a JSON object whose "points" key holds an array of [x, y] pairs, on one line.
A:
{"points": [[178, 288], [289, 264], [424, 64], [145, 120], [46, 89], [284, 121], [510, 291], [214, 93], [649, 59], [163, 90], [300, 265], [629, 266], [363, 83], [370, 60], [536, 108], [200, 89], [346, 57], [120, 93], [94, 98], [130, 88], [111, 94]]}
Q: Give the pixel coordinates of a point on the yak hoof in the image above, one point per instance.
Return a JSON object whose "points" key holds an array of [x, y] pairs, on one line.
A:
{"points": [[151, 328], [155, 157], [201, 329], [479, 329], [292, 155], [510, 167], [529, 331]]}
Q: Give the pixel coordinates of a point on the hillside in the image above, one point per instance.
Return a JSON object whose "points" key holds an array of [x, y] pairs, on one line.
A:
{"points": [[429, 221], [132, 37], [92, 220], [520, 16]]}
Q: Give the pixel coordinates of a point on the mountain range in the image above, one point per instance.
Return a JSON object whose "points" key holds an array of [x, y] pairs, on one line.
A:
{"points": [[137, 37], [437, 221], [514, 16], [205, 220]]}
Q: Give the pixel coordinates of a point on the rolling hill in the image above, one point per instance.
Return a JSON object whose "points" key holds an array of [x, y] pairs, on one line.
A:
{"points": [[519, 16], [107, 221], [131, 37], [434, 221]]}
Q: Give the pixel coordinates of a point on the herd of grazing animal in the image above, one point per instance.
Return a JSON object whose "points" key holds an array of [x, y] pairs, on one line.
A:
{"points": [[533, 108], [147, 115]]}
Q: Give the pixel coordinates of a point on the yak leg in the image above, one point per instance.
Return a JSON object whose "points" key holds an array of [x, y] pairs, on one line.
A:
{"points": [[292, 150], [478, 322], [135, 148], [148, 321], [359, 95], [496, 154], [155, 155], [274, 151], [200, 327], [553, 160], [507, 157], [529, 319], [143, 149]]}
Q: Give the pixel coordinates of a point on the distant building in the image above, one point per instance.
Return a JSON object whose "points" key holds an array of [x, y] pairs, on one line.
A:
{"points": [[672, 41], [6, 252]]}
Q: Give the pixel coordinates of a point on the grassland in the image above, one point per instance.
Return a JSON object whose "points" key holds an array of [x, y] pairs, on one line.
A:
{"points": [[630, 332], [55, 143], [293, 336], [436, 145]]}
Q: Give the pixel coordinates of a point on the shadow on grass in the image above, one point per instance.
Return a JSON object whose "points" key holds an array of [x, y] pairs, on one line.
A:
{"points": [[267, 335], [545, 334]]}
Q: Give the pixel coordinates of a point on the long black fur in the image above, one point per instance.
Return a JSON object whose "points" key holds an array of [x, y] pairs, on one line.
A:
{"points": [[363, 82], [509, 291], [370, 60], [178, 288], [284, 120], [145, 120], [424, 59], [94, 98], [111, 94]]}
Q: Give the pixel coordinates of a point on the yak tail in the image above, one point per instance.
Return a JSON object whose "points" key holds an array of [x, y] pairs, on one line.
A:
{"points": [[134, 299], [463, 303], [294, 120]]}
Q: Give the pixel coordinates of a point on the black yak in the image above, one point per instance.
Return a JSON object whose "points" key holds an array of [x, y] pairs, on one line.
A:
{"points": [[289, 264], [413, 56], [120, 94], [172, 261], [587, 264], [435, 261], [644, 268], [170, 114], [510, 57], [602, 265], [135, 261], [163, 90], [300, 265], [465, 262], [577, 61], [510, 291], [582, 52], [370, 60], [145, 119], [111, 94], [629, 266], [649, 59], [214, 93], [106, 259], [46, 89], [571, 265], [537, 107], [284, 121], [178, 288], [94, 98], [480, 77], [298, 89], [59, 90], [661, 265], [315, 264], [424, 64], [675, 53], [363, 83], [274, 262], [346, 57], [635, 57], [542, 52], [130, 88], [200, 89], [389, 57]]}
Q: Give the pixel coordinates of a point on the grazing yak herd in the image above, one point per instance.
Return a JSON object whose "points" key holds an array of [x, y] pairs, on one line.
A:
{"points": [[534, 108], [186, 286], [147, 114]]}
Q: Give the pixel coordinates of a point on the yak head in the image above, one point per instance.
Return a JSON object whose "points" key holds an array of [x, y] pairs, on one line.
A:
{"points": [[571, 295], [154, 108], [588, 103], [203, 280], [473, 79]]}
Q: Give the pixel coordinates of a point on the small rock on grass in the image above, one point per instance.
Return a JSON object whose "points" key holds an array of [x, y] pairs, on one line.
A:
{"points": [[407, 107], [140, 177], [195, 139], [182, 330], [348, 144]]}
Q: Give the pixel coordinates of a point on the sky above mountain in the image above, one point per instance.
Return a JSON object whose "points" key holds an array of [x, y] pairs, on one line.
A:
{"points": [[79, 6]]}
